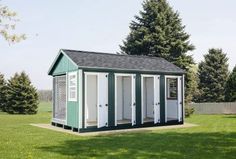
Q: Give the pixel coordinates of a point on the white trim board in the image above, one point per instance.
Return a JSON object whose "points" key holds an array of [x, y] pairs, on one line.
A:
{"points": [[80, 97]]}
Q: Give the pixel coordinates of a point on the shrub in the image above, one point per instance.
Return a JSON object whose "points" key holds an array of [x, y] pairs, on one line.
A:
{"points": [[21, 95], [188, 111]]}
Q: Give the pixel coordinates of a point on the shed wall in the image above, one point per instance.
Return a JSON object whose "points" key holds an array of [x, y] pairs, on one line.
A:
{"points": [[73, 108], [63, 65]]}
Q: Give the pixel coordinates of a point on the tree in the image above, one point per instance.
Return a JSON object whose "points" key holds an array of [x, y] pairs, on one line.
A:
{"points": [[192, 91], [213, 74], [230, 89], [7, 25], [158, 31], [3, 93], [22, 96]]}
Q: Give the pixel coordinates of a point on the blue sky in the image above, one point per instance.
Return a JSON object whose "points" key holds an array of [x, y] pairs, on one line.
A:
{"points": [[101, 25]]}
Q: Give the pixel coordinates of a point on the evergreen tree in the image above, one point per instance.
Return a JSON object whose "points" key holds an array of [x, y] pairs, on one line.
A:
{"points": [[22, 96], [230, 90], [158, 31], [3, 93], [192, 91], [213, 74]]}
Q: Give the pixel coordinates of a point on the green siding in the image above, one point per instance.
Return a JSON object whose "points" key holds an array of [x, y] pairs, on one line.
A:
{"points": [[138, 99], [162, 98], [111, 99], [63, 65], [73, 108], [72, 114]]}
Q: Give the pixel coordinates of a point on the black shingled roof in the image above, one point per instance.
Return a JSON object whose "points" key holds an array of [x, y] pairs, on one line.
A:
{"points": [[87, 59]]}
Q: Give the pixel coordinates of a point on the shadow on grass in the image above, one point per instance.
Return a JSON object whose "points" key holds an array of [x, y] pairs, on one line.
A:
{"points": [[229, 116], [150, 145]]}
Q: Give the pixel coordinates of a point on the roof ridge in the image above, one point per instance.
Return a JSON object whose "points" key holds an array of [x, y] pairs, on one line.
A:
{"points": [[113, 54]]}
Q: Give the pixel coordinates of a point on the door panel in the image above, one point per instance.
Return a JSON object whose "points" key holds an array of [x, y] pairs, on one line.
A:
{"points": [[102, 100], [156, 99], [133, 101], [180, 102]]}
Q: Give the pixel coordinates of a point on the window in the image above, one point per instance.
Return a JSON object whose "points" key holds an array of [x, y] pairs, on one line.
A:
{"points": [[172, 88], [59, 97], [72, 78]]}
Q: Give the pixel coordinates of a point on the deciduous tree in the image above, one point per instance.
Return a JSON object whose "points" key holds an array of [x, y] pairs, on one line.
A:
{"points": [[8, 20]]}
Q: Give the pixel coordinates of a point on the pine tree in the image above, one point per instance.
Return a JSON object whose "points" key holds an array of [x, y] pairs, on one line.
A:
{"points": [[158, 31], [230, 90], [3, 93], [213, 74], [22, 96], [192, 91]]}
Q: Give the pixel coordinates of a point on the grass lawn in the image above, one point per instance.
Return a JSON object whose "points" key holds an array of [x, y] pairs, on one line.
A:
{"points": [[215, 137]]}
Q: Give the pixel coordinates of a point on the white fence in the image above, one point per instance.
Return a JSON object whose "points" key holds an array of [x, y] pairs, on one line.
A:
{"points": [[214, 108]]}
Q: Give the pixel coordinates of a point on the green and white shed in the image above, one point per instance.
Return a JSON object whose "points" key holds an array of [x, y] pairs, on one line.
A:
{"points": [[101, 91]]}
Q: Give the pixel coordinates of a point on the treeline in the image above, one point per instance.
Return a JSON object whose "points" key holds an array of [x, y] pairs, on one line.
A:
{"points": [[18, 95], [215, 83], [45, 95]]}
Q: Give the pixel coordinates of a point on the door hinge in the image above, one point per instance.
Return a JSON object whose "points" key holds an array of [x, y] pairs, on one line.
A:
{"points": [[106, 75]]}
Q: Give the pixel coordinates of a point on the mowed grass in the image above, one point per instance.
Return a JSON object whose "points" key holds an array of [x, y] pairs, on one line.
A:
{"points": [[215, 137]]}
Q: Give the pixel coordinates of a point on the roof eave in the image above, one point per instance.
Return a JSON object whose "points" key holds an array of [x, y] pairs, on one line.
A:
{"points": [[133, 70]]}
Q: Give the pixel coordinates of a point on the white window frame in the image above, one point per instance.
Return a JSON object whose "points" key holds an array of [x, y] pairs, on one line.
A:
{"points": [[75, 86], [168, 89]]}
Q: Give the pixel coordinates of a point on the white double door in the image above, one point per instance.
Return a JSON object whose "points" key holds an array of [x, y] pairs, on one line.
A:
{"points": [[101, 87], [153, 98], [102, 100], [128, 91]]}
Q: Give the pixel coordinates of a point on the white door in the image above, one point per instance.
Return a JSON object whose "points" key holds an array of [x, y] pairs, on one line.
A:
{"points": [[156, 99], [102, 100], [133, 104], [180, 98]]}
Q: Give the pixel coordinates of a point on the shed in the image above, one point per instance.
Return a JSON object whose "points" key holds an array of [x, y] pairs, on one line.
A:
{"points": [[100, 91]]}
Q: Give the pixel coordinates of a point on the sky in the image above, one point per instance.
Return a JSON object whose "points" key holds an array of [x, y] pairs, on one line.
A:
{"points": [[101, 26]]}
